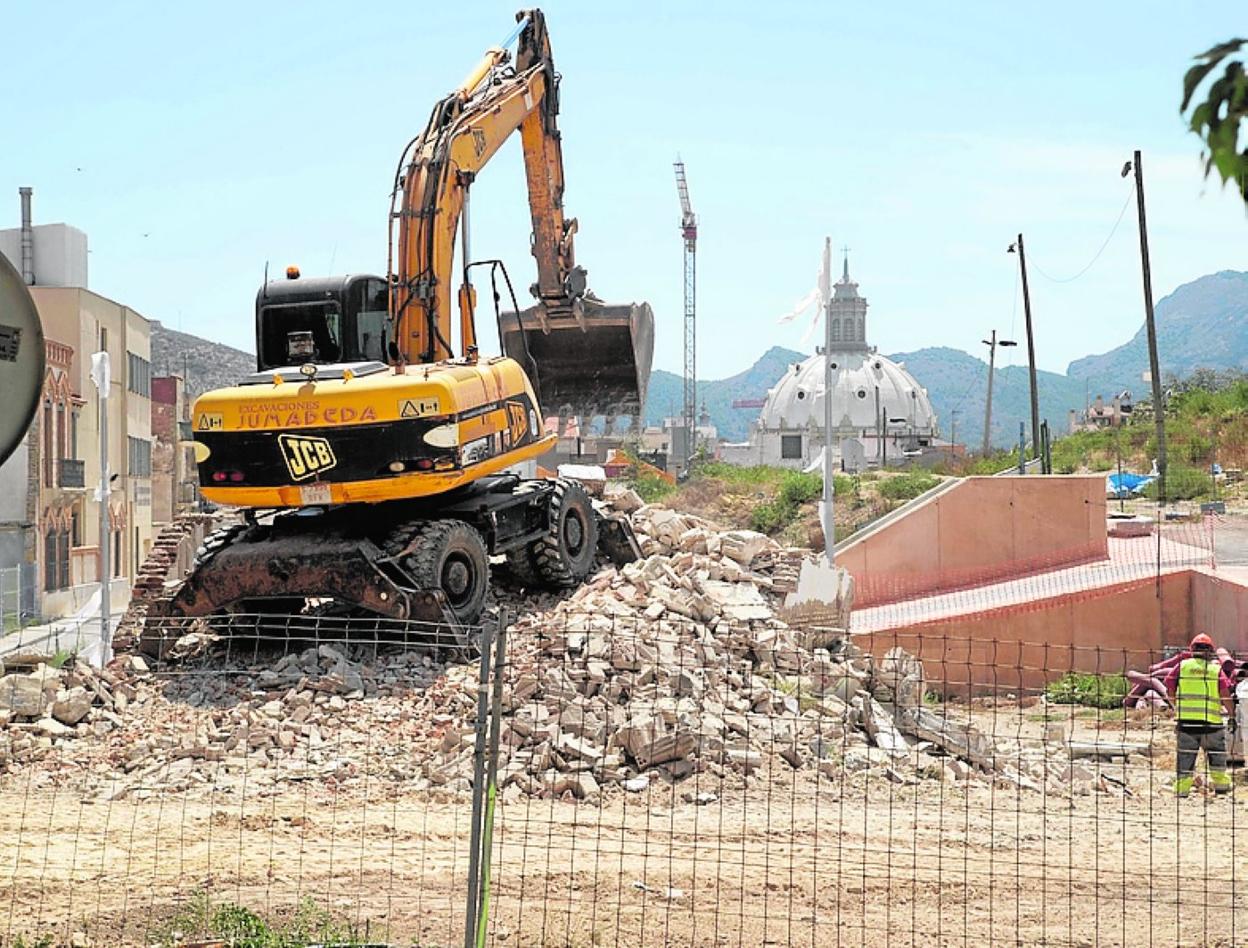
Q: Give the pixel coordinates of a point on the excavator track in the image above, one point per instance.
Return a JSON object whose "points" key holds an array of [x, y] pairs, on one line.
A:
{"points": [[409, 570]]}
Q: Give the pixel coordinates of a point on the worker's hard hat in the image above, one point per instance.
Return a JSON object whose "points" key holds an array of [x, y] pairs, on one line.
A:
{"points": [[1201, 641]]}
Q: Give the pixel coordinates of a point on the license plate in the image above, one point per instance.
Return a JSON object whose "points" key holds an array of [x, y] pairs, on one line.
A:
{"points": [[314, 494]]}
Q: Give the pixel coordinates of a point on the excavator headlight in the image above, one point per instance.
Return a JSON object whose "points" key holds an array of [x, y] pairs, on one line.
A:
{"points": [[307, 370], [397, 467]]}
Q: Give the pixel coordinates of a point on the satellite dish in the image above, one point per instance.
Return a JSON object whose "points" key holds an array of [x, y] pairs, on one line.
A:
{"points": [[21, 359]]}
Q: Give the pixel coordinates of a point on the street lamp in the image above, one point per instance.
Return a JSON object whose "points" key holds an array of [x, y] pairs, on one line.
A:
{"points": [[992, 345]]}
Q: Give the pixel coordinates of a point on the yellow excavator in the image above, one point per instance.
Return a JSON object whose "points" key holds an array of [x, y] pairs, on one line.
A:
{"points": [[375, 465]]}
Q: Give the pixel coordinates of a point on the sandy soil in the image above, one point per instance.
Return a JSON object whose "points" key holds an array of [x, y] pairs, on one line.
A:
{"points": [[854, 860]]}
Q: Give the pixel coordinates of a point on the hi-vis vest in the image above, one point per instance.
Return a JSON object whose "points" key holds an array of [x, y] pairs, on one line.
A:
{"points": [[1196, 698]]}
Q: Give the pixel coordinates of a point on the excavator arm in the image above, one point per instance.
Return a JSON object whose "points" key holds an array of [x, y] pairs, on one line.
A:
{"points": [[429, 212], [464, 132]]}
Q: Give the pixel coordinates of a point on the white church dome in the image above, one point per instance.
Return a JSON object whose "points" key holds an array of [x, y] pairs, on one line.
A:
{"points": [[796, 401]]}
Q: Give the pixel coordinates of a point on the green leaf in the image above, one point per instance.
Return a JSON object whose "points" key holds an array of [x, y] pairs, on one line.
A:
{"points": [[1194, 77]]}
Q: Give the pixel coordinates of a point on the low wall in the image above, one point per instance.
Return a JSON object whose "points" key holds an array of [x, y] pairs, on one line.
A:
{"points": [[1021, 648], [981, 530]]}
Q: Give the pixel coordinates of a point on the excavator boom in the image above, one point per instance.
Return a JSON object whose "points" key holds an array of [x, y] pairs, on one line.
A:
{"points": [[583, 356]]}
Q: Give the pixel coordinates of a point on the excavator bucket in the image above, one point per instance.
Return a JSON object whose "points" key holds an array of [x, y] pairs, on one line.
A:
{"points": [[593, 363]]}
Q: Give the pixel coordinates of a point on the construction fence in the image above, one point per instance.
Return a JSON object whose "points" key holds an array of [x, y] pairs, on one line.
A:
{"points": [[596, 780], [19, 594]]}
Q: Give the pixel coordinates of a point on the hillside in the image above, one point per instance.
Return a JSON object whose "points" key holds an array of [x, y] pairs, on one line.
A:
{"points": [[666, 393], [954, 380], [206, 365], [1202, 324]]}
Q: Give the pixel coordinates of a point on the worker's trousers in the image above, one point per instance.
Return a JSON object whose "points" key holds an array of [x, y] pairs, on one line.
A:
{"points": [[1190, 744]]}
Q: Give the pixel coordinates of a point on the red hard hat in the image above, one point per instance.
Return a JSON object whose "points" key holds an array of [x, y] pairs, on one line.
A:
{"points": [[1201, 641]]}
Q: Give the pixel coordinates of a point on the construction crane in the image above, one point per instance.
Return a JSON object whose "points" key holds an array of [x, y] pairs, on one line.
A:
{"points": [[689, 231]]}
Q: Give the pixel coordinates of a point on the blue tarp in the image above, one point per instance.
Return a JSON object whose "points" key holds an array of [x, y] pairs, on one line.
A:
{"points": [[1122, 486]]}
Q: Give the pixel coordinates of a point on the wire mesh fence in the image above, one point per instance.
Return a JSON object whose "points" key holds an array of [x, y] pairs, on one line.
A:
{"points": [[609, 780], [18, 592]]}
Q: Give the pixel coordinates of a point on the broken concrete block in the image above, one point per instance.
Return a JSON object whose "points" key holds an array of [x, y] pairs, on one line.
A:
{"points": [[71, 706], [23, 695]]}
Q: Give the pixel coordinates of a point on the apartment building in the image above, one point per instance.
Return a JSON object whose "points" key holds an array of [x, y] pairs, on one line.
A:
{"points": [[50, 512]]}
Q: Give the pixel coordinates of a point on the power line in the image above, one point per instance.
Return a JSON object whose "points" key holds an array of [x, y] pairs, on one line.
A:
{"points": [[1113, 230]]}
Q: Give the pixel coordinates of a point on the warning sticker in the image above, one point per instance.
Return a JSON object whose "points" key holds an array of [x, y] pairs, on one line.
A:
{"points": [[419, 407], [10, 342], [209, 421]]}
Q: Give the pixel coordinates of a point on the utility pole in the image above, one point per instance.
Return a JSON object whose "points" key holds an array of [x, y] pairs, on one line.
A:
{"points": [[1031, 349], [992, 364], [827, 520], [879, 430], [1154, 366], [100, 375], [953, 435]]}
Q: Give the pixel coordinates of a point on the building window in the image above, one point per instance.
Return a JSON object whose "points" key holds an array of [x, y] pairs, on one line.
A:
{"points": [[140, 457], [139, 374], [116, 553], [75, 528], [56, 560], [836, 329], [48, 459], [791, 447], [103, 339], [62, 432], [73, 434]]}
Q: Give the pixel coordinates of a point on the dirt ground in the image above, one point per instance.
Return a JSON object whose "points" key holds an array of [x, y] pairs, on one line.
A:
{"points": [[792, 859]]}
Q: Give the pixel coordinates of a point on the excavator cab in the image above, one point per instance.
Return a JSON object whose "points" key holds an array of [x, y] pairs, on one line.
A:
{"points": [[322, 320]]}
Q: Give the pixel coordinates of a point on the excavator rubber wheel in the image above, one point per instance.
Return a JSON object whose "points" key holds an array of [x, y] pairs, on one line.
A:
{"points": [[522, 568], [565, 555], [450, 555]]}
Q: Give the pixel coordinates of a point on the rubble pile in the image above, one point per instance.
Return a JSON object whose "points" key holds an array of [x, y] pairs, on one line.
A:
{"points": [[669, 667], [44, 702]]}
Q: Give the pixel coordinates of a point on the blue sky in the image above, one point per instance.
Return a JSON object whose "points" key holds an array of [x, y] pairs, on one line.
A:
{"points": [[194, 142]]}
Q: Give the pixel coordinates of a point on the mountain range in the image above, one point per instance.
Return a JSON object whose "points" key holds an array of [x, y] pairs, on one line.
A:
{"points": [[1202, 324]]}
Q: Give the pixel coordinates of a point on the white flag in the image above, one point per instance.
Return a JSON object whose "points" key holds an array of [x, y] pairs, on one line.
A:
{"points": [[100, 372], [800, 306]]}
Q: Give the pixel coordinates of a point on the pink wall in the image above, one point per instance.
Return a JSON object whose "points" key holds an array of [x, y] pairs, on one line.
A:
{"points": [[1220, 607], [982, 529]]}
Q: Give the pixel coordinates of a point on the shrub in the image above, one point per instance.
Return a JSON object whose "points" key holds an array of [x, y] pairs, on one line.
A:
{"points": [[908, 486], [796, 489], [1090, 691], [1182, 483]]}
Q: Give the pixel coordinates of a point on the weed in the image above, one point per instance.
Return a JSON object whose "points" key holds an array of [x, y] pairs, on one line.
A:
{"points": [[240, 927]]}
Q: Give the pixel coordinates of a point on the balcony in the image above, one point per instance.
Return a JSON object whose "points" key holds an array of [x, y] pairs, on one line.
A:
{"points": [[70, 473]]}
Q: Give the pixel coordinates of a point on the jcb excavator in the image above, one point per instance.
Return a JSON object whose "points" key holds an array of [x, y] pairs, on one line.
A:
{"points": [[371, 460]]}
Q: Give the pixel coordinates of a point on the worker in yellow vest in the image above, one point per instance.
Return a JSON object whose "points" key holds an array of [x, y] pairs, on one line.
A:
{"points": [[1198, 686]]}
